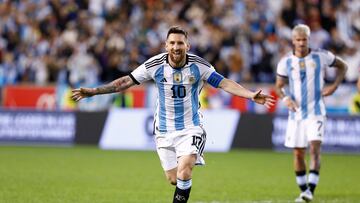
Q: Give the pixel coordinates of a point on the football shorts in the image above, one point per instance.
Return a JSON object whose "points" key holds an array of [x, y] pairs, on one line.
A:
{"points": [[171, 146], [300, 132]]}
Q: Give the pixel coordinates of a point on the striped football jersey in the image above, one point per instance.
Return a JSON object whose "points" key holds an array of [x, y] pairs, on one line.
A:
{"points": [[306, 81], [178, 90]]}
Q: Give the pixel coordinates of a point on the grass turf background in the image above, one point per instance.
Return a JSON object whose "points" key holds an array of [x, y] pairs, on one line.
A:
{"points": [[87, 174]]}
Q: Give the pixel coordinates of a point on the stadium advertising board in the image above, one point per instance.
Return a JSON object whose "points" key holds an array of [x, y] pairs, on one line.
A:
{"points": [[29, 97], [342, 133], [37, 127], [131, 129]]}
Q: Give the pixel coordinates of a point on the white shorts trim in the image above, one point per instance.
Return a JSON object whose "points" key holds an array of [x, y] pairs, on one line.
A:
{"points": [[171, 146], [300, 132]]}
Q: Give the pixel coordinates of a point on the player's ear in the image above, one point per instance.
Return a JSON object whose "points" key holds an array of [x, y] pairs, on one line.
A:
{"points": [[187, 46]]}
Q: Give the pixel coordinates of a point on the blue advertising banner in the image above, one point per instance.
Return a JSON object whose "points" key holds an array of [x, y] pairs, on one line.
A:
{"points": [[342, 133], [30, 126]]}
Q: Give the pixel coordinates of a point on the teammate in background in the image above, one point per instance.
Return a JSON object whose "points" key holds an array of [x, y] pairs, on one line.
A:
{"points": [[303, 70], [179, 77]]}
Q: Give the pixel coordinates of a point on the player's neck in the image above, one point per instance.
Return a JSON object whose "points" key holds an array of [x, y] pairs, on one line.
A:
{"points": [[177, 65], [301, 54]]}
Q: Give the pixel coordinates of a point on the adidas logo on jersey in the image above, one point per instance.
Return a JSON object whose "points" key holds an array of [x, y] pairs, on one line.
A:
{"points": [[163, 80]]}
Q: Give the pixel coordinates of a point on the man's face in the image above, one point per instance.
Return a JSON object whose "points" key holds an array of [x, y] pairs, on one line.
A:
{"points": [[300, 42], [177, 46]]}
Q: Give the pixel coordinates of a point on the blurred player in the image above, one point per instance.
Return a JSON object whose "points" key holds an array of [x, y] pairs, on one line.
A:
{"points": [[355, 101], [179, 77], [303, 69]]}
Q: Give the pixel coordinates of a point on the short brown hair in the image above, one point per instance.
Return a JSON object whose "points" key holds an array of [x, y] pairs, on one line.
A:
{"points": [[177, 30]]}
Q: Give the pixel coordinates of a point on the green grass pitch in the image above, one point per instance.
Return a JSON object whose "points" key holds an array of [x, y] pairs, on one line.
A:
{"points": [[87, 174]]}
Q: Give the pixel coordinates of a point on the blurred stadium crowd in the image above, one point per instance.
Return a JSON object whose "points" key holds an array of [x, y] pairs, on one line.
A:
{"points": [[86, 42]]}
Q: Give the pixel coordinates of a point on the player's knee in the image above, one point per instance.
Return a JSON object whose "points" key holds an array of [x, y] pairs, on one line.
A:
{"points": [[299, 154], [315, 151], [185, 173]]}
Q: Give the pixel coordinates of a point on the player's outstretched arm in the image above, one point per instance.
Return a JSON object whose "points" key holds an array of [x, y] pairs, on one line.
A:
{"points": [[238, 90], [117, 85], [342, 68]]}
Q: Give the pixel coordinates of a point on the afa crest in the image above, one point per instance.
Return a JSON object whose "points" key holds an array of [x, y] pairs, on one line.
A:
{"points": [[192, 79], [302, 64], [313, 65], [177, 77]]}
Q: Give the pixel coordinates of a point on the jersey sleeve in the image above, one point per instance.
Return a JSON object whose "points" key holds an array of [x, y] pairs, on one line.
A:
{"points": [[140, 74], [212, 77], [281, 69], [328, 57]]}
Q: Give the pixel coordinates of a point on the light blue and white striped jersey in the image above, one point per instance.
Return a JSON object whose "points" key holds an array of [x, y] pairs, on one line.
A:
{"points": [[178, 89], [306, 81]]}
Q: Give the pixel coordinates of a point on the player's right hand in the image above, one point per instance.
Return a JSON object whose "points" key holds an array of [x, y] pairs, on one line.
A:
{"points": [[291, 104], [80, 93]]}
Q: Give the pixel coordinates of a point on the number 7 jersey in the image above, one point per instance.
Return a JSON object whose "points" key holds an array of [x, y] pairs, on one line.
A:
{"points": [[306, 81], [178, 90]]}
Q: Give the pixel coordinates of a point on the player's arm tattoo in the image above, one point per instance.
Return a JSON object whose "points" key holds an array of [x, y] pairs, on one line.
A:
{"points": [[117, 85]]}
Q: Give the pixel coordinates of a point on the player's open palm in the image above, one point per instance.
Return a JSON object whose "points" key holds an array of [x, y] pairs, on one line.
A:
{"points": [[266, 100], [80, 93]]}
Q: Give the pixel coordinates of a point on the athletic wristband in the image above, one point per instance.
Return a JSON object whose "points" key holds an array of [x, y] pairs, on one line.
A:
{"points": [[285, 98]]}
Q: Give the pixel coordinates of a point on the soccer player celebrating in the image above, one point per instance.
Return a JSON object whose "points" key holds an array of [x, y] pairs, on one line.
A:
{"points": [[303, 69], [179, 77]]}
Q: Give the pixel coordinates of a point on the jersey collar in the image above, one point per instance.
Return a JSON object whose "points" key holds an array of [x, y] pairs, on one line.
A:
{"points": [[186, 61], [293, 52]]}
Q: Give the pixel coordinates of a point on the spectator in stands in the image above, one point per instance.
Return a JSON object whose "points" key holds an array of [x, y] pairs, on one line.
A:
{"points": [[41, 29]]}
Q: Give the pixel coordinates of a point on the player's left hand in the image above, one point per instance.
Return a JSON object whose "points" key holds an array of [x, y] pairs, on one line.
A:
{"points": [[329, 90], [266, 100], [80, 93]]}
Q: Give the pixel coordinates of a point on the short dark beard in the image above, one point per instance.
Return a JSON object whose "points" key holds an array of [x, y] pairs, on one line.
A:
{"points": [[177, 64]]}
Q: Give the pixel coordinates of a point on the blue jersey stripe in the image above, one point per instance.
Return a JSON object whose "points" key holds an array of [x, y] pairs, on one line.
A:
{"points": [[194, 95], [179, 91], [291, 84], [304, 111], [159, 75], [215, 79], [317, 84]]}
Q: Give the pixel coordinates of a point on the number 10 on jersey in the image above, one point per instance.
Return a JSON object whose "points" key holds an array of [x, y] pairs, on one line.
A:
{"points": [[179, 91]]}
